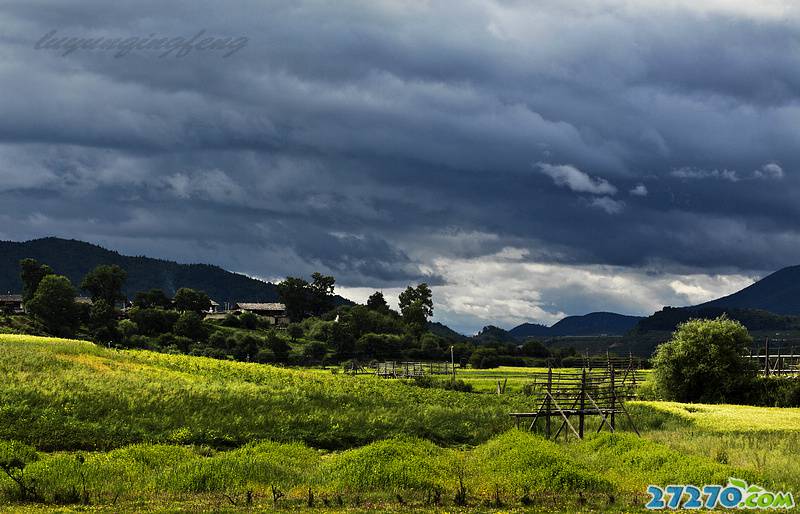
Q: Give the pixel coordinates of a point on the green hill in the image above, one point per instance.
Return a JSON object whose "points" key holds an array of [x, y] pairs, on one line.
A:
{"points": [[778, 292], [592, 324], [66, 394], [76, 258]]}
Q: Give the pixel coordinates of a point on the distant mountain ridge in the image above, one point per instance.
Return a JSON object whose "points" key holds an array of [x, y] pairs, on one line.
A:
{"points": [[76, 258], [778, 293], [592, 324]]}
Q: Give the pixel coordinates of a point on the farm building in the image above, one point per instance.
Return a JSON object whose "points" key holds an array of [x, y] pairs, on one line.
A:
{"points": [[276, 312], [11, 303]]}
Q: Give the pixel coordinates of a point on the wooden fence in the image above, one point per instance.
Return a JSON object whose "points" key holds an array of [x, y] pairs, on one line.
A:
{"points": [[779, 357], [413, 369], [597, 392]]}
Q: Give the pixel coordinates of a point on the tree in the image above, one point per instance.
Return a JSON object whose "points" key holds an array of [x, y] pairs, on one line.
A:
{"points": [[295, 332], [248, 320], [416, 306], [321, 288], [484, 357], [53, 305], [105, 283], [154, 298], [294, 294], [191, 325], [153, 322], [280, 348], [32, 273], [377, 302], [103, 322], [315, 351], [189, 300], [533, 348], [127, 330], [303, 299], [705, 362]]}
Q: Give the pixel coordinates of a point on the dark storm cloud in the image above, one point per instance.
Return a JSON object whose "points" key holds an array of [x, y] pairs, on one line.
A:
{"points": [[368, 139]]}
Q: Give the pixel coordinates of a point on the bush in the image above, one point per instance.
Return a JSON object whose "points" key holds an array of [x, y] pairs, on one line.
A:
{"points": [[399, 465], [248, 320], [517, 463], [14, 459], [705, 362], [190, 325]]}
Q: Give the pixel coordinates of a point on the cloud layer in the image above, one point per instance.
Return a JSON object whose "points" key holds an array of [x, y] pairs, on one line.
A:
{"points": [[378, 140]]}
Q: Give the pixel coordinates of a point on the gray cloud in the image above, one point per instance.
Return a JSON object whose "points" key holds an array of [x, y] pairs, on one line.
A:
{"points": [[571, 177], [375, 140]]}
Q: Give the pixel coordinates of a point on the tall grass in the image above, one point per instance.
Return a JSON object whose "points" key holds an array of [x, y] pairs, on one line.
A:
{"points": [[67, 395]]}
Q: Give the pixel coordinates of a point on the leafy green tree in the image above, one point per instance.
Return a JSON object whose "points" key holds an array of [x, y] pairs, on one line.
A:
{"points": [[416, 305], [705, 362], [248, 320], [190, 325], [321, 289], [190, 300], [31, 273], [105, 283], [295, 331], [533, 348], [485, 357], [294, 294], [154, 298], [379, 346], [127, 329], [280, 348], [53, 305], [315, 351], [377, 302], [153, 322], [103, 322], [303, 299]]}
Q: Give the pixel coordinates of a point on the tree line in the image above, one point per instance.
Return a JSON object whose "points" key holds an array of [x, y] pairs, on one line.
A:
{"points": [[320, 331]]}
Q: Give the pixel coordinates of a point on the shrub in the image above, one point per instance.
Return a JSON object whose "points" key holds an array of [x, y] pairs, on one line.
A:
{"points": [[517, 463], [705, 362], [190, 325], [654, 463], [399, 466], [14, 459]]}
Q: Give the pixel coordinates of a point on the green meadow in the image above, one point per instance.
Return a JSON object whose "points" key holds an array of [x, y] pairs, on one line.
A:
{"points": [[131, 431]]}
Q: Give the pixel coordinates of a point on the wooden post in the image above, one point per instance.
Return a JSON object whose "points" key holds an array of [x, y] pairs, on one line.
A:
{"points": [[766, 356], [582, 403], [613, 400], [548, 407]]}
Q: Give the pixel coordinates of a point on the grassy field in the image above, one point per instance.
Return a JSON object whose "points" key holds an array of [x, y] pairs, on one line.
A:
{"points": [[135, 430]]}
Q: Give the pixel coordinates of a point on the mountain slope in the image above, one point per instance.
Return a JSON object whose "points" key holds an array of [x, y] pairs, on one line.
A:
{"points": [[592, 324], [778, 293], [529, 330], [595, 323], [75, 258]]}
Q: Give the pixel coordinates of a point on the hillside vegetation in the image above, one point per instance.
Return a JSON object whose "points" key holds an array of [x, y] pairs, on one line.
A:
{"points": [[127, 431], [65, 394], [75, 259]]}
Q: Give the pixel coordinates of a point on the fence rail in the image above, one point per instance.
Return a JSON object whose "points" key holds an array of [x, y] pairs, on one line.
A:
{"points": [[785, 361]]}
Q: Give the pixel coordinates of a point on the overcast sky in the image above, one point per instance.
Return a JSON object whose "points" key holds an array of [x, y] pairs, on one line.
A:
{"points": [[528, 159]]}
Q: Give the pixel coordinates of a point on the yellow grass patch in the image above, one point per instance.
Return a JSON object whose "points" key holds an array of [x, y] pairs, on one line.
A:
{"points": [[733, 418]]}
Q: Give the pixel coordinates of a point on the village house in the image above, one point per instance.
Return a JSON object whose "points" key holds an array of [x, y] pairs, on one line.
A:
{"points": [[11, 304], [275, 312]]}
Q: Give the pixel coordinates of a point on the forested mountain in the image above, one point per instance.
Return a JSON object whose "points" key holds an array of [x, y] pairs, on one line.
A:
{"points": [[75, 258], [592, 324], [778, 293]]}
